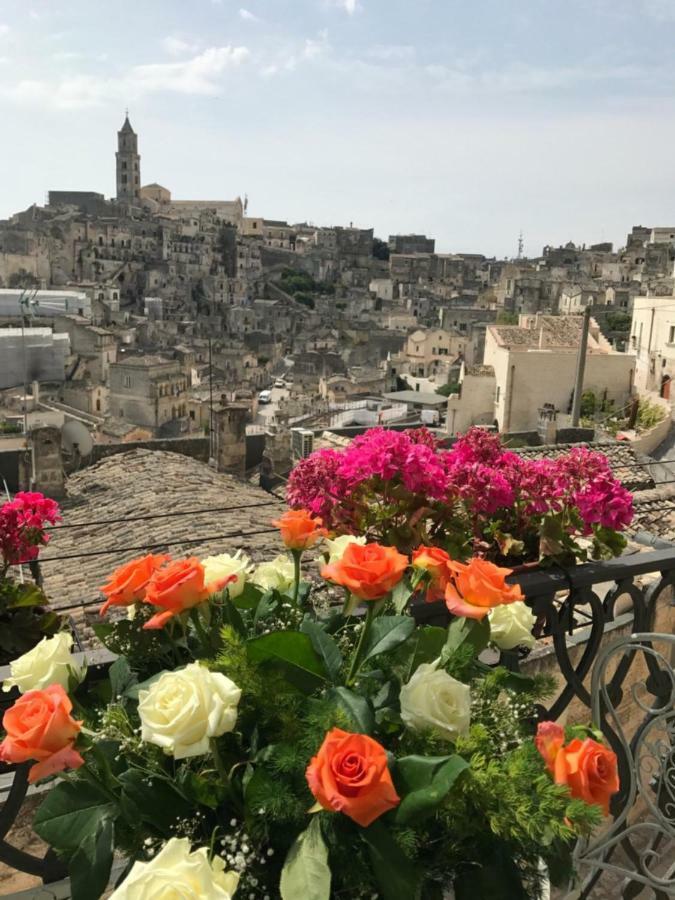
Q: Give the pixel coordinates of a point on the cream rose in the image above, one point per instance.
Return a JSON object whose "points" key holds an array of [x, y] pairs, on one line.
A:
{"points": [[433, 700], [511, 626], [49, 662], [217, 569], [276, 575], [176, 871], [183, 710], [337, 546]]}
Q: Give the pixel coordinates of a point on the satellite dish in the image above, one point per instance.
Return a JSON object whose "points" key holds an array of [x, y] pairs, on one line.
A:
{"points": [[76, 439]]}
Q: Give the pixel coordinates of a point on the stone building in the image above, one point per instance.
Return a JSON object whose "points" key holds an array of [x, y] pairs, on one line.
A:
{"points": [[149, 391], [411, 243], [128, 164], [536, 365]]}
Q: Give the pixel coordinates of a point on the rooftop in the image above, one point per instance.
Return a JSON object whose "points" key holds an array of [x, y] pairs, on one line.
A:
{"points": [[548, 333], [420, 398], [143, 362], [142, 483], [480, 371]]}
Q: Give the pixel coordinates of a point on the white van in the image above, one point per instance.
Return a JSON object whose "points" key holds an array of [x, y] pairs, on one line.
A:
{"points": [[265, 397]]}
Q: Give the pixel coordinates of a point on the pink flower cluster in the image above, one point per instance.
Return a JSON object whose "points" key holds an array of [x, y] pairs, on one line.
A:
{"points": [[478, 473], [22, 526]]}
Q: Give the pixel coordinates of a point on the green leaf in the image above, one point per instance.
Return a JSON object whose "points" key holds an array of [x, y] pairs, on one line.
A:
{"points": [[292, 655], [475, 632], [396, 874], [153, 800], [358, 708], [134, 690], [27, 595], [249, 597], [386, 633], [497, 879], [424, 782], [267, 604], [71, 811], [121, 677], [325, 646], [424, 646], [401, 595], [205, 791], [306, 873], [91, 863], [231, 616]]}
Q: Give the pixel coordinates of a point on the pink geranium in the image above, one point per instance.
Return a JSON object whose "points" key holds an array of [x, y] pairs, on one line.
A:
{"points": [[23, 522]]}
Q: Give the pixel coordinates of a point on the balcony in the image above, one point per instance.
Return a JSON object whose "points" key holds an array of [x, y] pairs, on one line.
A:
{"points": [[586, 616]]}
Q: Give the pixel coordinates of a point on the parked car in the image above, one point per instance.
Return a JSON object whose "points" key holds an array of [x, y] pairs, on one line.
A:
{"points": [[265, 397], [279, 383]]}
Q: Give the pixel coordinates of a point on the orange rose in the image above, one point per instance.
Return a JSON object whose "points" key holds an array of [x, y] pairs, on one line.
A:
{"points": [[127, 584], [349, 774], [588, 768], [176, 588], [435, 561], [478, 587], [39, 726], [299, 529], [369, 571]]}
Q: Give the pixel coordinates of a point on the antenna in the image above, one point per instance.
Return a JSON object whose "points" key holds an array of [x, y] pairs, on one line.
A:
{"points": [[520, 245], [76, 439]]}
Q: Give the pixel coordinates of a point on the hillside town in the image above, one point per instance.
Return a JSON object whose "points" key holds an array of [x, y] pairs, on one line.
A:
{"points": [[250, 340], [174, 373]]}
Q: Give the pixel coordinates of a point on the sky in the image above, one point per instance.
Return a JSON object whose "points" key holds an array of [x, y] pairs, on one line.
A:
{"points": [[467, 121]]}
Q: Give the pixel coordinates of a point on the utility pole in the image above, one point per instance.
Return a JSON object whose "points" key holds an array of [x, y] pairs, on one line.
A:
{"points": [[581, 366], [211, 442]]}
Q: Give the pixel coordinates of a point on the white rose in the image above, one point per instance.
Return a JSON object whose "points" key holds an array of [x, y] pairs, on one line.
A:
{"points": [[178, 872], [49, 662], [511, 626], [217, 570], [337, 546], [434, 700], [183, 710], [276, 575]]}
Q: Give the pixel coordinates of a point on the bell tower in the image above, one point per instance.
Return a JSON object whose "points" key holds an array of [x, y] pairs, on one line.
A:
{"points": [[128, 164]]}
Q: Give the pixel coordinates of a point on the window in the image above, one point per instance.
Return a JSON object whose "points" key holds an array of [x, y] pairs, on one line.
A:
{"points": [[499, 390], [671, 334], [124, 166], [127, 381]]}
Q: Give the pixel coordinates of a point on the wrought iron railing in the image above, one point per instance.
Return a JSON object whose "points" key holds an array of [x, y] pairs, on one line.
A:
{"points": [[581, 612]]}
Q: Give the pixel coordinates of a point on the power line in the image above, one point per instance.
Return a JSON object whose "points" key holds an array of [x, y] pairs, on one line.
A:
{"points": [[167, 543], [187, 512]]}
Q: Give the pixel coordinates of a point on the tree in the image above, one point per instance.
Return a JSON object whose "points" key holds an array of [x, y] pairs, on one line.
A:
{"points": [[380, 249]]}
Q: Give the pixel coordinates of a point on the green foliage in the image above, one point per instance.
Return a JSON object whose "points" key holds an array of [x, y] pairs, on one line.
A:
{"points": [[589, 404], [380, 249], [506, 318], [446, 389], [306, 872], [24, 618]]}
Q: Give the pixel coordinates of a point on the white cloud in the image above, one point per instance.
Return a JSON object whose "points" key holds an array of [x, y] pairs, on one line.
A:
{"points": [[198, 75], [4, 29], [387, 52], [349, 5], [176, 46], [314, 47], [247, 15]]}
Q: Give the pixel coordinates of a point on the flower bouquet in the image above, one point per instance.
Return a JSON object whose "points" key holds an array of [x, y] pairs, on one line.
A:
{"points": [[253, 740], [403, 489], [24, 619]]}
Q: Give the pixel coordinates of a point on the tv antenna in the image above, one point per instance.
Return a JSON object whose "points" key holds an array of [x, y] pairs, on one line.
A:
{"points": [[520, 245]]}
